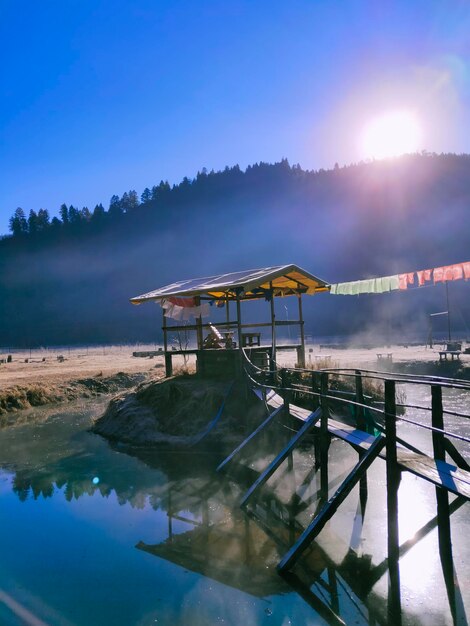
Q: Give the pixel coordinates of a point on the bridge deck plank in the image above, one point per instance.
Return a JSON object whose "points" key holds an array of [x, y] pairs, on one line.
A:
{"points": [[439, 473]]}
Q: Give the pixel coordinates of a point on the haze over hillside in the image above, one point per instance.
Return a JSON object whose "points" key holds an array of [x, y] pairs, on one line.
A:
{"points": [[70, 280]]}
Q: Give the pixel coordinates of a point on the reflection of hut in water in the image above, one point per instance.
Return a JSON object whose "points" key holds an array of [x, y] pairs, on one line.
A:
{"points": [[229, 553], [220, 352], [221, 543], [241, 551]]}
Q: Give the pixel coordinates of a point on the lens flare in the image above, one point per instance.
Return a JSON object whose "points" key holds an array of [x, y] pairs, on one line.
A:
{"points": [[391, 134]]}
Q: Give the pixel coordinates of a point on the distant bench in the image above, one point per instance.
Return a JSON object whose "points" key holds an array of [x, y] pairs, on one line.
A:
{"points": [[453, 353], [149, 353], [387, 356]]}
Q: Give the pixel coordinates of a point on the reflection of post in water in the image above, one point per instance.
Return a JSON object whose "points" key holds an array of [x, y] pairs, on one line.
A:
{"points": [[443, 509], [329, 614], [170, 517], [393, 482]]}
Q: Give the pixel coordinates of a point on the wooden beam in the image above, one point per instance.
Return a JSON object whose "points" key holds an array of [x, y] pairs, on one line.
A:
{"points": [[199, 326], [330, 508], [261, 427], [324, 436], [442, 495], [273, 325], [272, 467], [318, 605], [233, 324], [239, 328], [302, 333], [393, 482], [168, 359]]}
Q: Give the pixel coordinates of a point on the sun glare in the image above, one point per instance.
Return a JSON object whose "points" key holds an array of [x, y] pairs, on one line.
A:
{"points": [[390, 135]]}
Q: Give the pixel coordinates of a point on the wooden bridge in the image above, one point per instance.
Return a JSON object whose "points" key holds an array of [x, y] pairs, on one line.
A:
{"points": [[312, 400]]}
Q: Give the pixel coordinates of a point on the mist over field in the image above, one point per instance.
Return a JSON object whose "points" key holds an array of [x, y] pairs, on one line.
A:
{"points": [[70, 281]]}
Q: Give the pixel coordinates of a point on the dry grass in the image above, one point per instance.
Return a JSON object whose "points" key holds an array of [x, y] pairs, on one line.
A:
{"points": [[20, 397]]}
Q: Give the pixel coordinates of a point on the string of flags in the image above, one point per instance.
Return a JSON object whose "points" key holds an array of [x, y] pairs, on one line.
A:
{"points": [[458, 271]]}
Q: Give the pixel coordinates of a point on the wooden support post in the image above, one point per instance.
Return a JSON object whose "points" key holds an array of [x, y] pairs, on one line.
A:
{"points": [[199, 327], [361, 424], [437, 422], [239, 334], [315, 405], [272, 467], [302, 333], [330, 508], [168, 360], [324, 436], [261, 427], [285, 392], [442, 496], [360, 415], [318, 605], [273, 324], [455, 455], [393, 482]]}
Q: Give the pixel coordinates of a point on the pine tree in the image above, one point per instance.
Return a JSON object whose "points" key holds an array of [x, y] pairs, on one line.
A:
{"points": [[125, 202], [18, 224], [64, 213], [115, 207], [85, 214], [132, 199], [33, 222], [146, 196], [98, 213], [74, 215], [43, 221]]}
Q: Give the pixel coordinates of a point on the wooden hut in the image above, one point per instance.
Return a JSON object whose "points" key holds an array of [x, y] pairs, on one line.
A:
{"points": [[218, 348]]}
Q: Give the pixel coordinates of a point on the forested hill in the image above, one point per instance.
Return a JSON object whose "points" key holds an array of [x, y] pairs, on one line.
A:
{"points": [[68, 279]]}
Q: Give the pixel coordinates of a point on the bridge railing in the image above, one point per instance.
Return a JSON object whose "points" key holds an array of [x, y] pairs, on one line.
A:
{"points": [[315, 386]]}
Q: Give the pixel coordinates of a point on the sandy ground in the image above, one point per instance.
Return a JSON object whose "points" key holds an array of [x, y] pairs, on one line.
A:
{"points": [[43, 365]]}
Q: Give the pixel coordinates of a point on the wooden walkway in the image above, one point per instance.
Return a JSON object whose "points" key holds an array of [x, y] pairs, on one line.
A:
{"points": [[440, 473], [279, 387]]}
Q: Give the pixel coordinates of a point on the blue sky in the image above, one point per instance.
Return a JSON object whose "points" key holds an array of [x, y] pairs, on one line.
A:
{"points": [[102, 96]]}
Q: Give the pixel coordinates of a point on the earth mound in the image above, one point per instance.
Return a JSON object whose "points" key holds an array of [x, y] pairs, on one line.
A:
{"points": [[179, 411]]}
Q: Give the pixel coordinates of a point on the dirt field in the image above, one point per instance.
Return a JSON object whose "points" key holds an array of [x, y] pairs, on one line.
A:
{"points": [[43, 365], [52, 376]]}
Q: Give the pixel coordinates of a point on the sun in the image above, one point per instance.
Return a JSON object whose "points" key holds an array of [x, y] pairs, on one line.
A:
{"points": [[391, 134]]}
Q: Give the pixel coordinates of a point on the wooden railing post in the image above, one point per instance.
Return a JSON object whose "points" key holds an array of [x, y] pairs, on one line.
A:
{"points": [[315, 405], [324, 435], [360, 414], [393, 482], [361, 424], [437, 422], [168, 360], [285, 393], [442, 495]]}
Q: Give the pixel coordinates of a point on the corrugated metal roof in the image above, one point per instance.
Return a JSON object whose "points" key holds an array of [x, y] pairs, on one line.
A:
{"points": [[249, 284]]}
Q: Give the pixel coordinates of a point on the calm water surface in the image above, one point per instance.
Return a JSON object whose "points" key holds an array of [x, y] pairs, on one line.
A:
{"points": [[94, 534]]}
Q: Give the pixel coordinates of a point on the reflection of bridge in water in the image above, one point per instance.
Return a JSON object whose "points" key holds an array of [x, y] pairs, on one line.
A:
{"points": [[283, 523], [372, 433]]}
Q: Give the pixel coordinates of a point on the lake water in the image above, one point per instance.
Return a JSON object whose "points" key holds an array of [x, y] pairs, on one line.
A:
{"points": [[91, 534]]}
